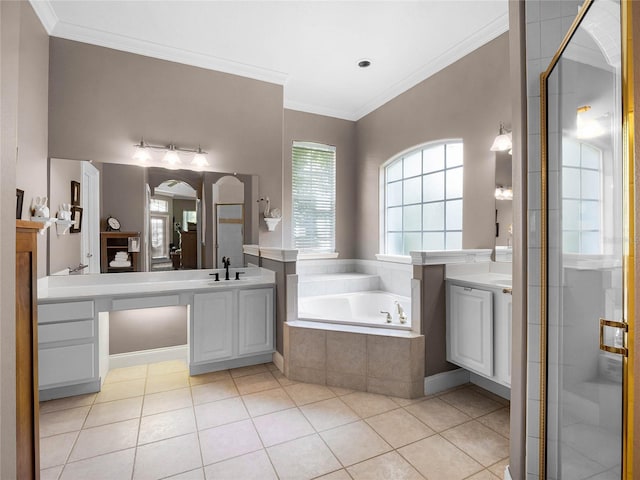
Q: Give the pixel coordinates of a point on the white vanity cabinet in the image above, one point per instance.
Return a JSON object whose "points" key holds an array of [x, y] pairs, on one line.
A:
{"points": [[67, 346], [213, 315], [479, 329], [470, 329], [231, 325]]}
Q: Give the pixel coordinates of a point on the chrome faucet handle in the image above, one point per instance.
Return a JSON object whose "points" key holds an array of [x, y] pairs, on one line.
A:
{"points": [[388, 316]]}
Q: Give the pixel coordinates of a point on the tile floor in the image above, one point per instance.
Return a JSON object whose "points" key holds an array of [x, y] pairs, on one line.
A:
{"points": [[155, 421]]}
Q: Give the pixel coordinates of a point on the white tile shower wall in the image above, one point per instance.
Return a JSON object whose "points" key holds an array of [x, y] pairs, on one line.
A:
{"points": [[315, 267], [394, 277], [546, 23]]}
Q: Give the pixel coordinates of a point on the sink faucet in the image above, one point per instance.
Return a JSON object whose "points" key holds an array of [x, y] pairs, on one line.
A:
{"points": [[401, 313], [226, 261]]}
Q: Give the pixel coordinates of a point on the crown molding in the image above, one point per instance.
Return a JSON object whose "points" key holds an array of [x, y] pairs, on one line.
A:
{"points": [[46, 14], [123, 43], [491, 31]]}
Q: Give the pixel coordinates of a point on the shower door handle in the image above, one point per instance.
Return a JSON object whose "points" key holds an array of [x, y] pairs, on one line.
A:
{"points": [[613, 324]]}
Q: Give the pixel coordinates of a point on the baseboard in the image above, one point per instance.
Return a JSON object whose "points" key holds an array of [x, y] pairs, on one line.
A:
{"points": [[131, 359], [200, 368], [69, 391], [507, 473], [493, 387], [445, 380], [278, 361]]}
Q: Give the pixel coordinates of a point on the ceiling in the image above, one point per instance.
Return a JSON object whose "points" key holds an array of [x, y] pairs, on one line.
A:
{"points": [[310, 47]]}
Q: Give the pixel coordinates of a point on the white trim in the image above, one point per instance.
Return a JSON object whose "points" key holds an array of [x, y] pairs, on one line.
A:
{"points": [[122, 43], [507, 473], [445, 380], [278, 361], [383, 257], [500, 390], [455, 53], [317, 256], [47, 15], [440, 257], [131, 359], [251, 250], [279, 254]]}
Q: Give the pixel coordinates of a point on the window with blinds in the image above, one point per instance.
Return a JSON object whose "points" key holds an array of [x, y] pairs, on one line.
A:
{"points": [[314, 197]]}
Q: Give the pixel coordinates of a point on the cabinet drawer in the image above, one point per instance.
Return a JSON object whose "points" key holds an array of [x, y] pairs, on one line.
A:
{"points": [[146, 302], [60, 332], [64, 365], [58, 312]]}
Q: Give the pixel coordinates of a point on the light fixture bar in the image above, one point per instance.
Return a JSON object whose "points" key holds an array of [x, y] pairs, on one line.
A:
{"points": [[171, 155]]}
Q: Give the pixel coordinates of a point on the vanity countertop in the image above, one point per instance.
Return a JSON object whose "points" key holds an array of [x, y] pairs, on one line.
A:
{"points": [[133, 283], [486, 279]]}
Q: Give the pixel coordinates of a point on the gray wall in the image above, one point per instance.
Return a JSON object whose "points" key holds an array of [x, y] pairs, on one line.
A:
{"points": [[23, 162], [103, 101], [466, 100], [64, 250], [306, 127], [135, 330]]}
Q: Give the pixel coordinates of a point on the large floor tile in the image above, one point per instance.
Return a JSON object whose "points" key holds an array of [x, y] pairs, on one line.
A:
{"points": [[387, 466], [228, 441], [354, 442], [62, 421], [221, 412], [209, 377], [112, 466], [337, 475], [167, 401], [52, 473], [197, 474], [304, 393], [210, 392], [252, 466], [105, 439], [167, 457], [284, 381], [302, 459], [498, 468], [116, 411], [268, 401], [55, 450], [436, 458], [170, 366], [256, 383], [479, 442], [126, 373], [399, 428], [471, 402], [282, 426], [328, 414], [483, 475], [67, 402], [437, 414], [250, 370], [368, 404], [166, 425], [120, 390], [168, 381], [497, 421]]}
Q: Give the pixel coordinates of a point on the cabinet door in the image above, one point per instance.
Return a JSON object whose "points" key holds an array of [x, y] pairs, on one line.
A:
{"points": [[470, 329], [255, 321], [503, 338], [212, 326], [66, 365]]}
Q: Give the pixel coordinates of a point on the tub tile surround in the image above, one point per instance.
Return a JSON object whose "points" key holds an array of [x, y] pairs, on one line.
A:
{"points": [[373, 362], [287, 430]]}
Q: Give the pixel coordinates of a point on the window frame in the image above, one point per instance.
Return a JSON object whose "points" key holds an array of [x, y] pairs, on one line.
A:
{"points": [[316, 250], [382, 210]]}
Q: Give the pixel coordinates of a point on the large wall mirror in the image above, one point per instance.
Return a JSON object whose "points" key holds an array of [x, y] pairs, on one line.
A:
{"points": [[184, 219], [503, 196]]}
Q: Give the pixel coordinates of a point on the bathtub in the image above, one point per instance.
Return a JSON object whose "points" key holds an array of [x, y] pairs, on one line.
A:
{"points": [[359, 308]]}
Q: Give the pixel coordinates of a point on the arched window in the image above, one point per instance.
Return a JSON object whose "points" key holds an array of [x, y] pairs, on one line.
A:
{"points": [[423, 199]]}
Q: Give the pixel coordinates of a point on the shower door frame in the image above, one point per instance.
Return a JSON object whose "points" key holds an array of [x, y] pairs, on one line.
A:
{"points": [[629, 247]]}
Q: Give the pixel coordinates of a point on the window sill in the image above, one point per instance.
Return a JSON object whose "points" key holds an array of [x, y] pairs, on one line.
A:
{"points": [[318, 256], [383, 257]]}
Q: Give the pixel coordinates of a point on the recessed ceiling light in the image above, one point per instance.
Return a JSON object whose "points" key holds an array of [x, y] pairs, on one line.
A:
{"points": [[364, 63]]}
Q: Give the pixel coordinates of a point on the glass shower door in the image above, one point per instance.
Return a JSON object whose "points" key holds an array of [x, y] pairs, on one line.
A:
{"points": [[584, 251]]}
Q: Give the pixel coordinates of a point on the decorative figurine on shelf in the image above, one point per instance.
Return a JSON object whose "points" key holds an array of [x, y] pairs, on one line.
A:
{"points": [[65, 212], [272, 216], [40, 208]]}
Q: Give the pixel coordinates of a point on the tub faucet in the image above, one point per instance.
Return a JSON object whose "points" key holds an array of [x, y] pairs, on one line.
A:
{"points": [[226, 261], [401, 313], [388, 316]]}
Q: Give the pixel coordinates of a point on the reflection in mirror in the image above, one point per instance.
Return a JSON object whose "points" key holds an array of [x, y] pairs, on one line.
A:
{"points": [[173, 226], [504, 195], [228, 202]]}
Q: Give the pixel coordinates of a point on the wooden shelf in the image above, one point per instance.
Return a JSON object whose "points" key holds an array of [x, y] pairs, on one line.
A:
{"points": [[113, 242]]}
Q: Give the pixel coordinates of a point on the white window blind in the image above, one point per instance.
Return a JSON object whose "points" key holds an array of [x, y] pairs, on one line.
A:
{"points": [[314, 197]]}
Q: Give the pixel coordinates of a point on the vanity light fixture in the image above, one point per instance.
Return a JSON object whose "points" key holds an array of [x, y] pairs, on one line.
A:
{"points": [[143, 153], [502, 142], [504, 193]]}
